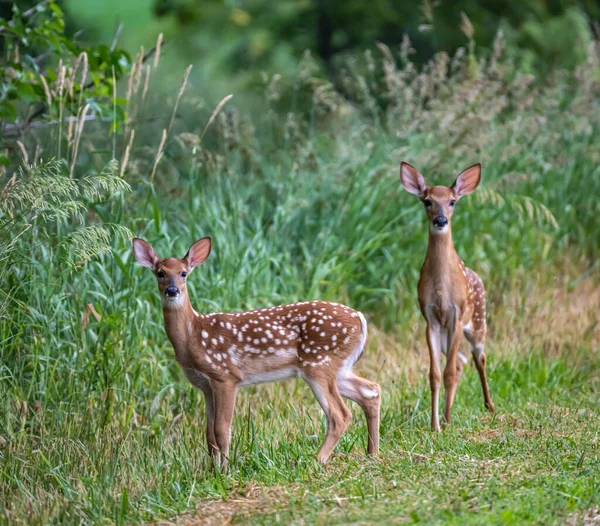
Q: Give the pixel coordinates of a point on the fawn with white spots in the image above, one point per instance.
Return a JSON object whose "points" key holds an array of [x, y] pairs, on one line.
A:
{"points": [[220, 352], [451, 296]]}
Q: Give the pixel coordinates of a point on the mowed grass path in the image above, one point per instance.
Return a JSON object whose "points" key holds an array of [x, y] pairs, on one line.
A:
{"points": [[536, 461]]}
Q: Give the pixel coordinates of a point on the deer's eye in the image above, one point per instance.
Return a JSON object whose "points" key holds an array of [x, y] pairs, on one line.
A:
{"points": [[453, 202], [160, 274], [183, 273], [428, 203]]}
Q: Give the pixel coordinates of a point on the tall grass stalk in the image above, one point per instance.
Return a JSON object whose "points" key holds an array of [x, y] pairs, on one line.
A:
{"points": [[186, 76]]}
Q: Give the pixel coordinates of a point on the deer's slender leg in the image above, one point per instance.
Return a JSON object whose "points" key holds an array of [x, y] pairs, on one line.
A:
{"points": [[461, 358], [224, 402], [479, 359], [435, 376], [461, 361], [368, 396], [337, 413], [451, 372], [476, 340], [211, 441]]}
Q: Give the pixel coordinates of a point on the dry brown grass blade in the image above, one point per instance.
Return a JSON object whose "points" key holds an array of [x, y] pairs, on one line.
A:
{"points": [[78, 131], [23, 152], [216, 111], [89, 309], [146, 83], [138, 71], [46, 90], [159, 155], [159, 42], [125, 160], [466, 26], [186, 76]]}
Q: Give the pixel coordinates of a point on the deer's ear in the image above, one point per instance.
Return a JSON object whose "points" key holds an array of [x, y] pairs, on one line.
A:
{"points": [[144, 253], [467, 181], [198, 252], [412, 179]]}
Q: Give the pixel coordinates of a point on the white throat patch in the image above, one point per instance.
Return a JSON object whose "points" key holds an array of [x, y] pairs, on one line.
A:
{"points": [[175, 302], [435, 230]]}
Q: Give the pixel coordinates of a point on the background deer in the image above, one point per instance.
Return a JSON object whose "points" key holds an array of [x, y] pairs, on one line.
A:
{"points": [[316, 340], [451, 296]]}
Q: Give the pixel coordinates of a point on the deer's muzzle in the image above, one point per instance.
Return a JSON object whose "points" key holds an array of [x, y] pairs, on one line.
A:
{"points": [[172, 292], [440, 221]]}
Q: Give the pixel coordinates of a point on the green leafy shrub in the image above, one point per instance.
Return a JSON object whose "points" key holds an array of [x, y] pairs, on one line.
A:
{"points": [[48, 78]]}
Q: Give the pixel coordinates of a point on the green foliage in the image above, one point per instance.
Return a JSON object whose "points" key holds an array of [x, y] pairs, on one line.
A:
{"points": [[46, 75], [533, 50], [231, 43], [37, 208]]}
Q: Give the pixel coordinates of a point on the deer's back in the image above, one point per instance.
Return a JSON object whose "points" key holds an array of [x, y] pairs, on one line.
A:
{"points": [[277, 342]]}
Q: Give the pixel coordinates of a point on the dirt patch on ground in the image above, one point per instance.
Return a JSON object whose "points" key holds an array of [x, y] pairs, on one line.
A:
{"points": [[236, 508], [586, 518]]}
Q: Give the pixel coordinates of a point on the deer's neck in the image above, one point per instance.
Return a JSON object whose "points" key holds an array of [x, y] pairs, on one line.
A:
{"points": [[441, 256], [179, 321]]}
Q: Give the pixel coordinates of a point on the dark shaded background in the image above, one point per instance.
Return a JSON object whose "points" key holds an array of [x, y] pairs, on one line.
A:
{"points": [[231, 43]]}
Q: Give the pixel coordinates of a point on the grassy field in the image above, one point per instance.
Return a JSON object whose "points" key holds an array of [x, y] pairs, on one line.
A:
{"points": [[536, 461], [97, 423]]}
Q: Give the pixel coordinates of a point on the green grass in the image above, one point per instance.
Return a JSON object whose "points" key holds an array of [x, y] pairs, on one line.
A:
{"points": [[535, 461], [98, 424]]}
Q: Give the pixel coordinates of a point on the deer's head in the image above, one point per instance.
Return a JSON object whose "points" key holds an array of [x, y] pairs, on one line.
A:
{"points": [[171, 273], [439, 201]]}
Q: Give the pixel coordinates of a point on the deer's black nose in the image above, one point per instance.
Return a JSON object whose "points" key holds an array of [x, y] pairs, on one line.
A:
{"points": [[440, 221], [171, 292]]}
